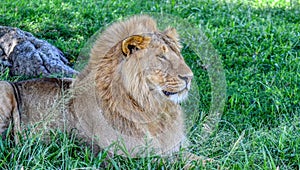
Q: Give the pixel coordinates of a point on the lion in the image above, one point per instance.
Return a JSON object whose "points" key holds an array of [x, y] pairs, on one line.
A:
{"points": [[129, 92]]}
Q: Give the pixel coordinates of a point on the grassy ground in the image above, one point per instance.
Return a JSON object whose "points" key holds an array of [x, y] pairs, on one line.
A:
{"points": [[259, 44]]}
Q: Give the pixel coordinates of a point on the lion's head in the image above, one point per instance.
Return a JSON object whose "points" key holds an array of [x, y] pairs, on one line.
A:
{"points": [[155, 58]]}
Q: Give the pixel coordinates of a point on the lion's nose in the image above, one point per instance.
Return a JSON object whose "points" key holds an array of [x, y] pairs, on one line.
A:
{"points": [[186, 78]]}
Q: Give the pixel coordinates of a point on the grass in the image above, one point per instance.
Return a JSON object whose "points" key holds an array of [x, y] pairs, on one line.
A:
{"points": [[259, 44]]}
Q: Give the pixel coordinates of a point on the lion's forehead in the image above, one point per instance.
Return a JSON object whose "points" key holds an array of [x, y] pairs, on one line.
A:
{"points": [[174, 64], [158, 39]]}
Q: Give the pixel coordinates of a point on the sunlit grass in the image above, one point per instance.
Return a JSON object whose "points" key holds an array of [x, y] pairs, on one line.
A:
{"points": [[259, 44]]}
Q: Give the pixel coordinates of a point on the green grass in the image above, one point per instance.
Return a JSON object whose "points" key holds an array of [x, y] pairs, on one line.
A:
{"points": [[259, 44]]}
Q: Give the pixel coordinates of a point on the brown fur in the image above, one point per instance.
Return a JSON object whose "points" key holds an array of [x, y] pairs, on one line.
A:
{"points": [[129, 92]]}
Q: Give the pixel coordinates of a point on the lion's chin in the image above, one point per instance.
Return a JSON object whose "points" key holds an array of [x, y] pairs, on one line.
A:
{"points": [[176, 97]]}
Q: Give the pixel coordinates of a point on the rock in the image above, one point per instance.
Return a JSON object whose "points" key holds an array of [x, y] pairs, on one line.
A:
{"points": [[26, 55]]}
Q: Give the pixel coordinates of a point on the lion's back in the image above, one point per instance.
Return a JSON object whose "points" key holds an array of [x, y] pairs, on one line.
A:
{"points": [[40, 100]]}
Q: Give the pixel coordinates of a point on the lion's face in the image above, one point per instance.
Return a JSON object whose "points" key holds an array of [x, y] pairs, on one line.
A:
{"points": [[158, 66], [166, 72]]}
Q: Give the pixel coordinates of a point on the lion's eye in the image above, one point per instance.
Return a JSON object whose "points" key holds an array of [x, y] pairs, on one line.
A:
{"points": [[162, 57]]}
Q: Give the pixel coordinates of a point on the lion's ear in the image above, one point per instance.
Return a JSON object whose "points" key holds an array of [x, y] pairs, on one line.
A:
{"points": [[171, 33], [134, 42]]}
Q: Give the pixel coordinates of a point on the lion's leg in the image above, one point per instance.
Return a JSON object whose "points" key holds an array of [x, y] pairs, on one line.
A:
{"points": [[8, 108]]}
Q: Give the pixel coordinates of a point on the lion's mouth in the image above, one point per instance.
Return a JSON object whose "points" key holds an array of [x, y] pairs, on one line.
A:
{"points": [[175, 97], [167, 93]]}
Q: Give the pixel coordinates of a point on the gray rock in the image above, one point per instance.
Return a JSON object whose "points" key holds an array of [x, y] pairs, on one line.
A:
{"points": [[26, 55]]}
